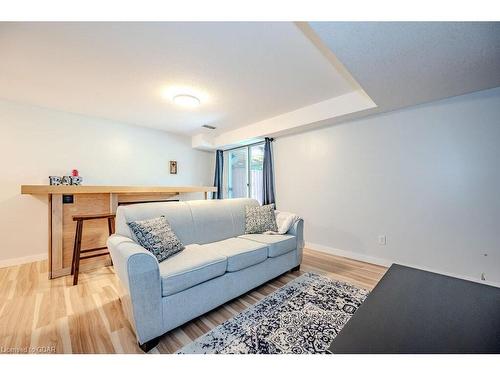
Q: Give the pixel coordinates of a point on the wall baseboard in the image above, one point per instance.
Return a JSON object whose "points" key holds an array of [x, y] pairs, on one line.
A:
{"points": [[387, 262], [22, 260], [348, 254]]}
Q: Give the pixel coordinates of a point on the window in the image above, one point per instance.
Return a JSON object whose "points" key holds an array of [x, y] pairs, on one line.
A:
{"points": [[245, 175], [238, 173], [256, 173]]}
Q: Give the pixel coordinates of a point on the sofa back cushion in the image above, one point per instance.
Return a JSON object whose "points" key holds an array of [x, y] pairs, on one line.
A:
{"points": [[217, 220], [200, 222], [238, 211], [178, 215]]}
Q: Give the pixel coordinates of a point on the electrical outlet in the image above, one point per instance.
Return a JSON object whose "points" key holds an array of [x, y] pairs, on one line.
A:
{"points": [[382, 240]]}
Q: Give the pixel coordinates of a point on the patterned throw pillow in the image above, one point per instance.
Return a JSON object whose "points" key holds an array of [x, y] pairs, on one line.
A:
{"points": [[260, 219], [157, 236]]}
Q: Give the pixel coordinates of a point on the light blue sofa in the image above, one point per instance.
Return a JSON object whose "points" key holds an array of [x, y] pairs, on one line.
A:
{"points": [[219, 262]]}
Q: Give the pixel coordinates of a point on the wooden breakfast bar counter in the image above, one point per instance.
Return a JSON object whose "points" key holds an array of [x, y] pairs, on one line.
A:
{"points": [[65, 201]]}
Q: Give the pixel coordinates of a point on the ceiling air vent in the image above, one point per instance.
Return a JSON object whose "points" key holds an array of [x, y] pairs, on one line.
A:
{"points": [[208, 127]]}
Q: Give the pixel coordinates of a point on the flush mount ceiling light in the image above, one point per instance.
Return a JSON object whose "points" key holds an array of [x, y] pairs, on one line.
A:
{"points": [[186, 96], [185, 100]]}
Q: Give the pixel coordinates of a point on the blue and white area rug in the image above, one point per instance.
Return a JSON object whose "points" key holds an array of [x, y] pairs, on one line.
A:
{"points": [[302, 317]]}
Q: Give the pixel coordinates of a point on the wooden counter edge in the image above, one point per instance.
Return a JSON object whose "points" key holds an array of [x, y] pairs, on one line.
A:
{"points": [[96, 189]]}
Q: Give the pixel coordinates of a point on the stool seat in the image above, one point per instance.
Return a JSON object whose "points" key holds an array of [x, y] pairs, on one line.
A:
{"points": [[93, 216], [77, 248]]}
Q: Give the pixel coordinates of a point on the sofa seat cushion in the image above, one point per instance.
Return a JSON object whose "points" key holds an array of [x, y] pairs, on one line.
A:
{"points": [[190, 267], [278, 244], [241, 253]]}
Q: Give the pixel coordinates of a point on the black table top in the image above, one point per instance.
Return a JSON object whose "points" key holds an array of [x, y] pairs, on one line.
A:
{"points": [[415, 311]]}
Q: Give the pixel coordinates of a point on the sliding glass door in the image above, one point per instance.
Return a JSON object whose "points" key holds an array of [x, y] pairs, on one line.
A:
{"points": [[245, 176], [238, 173], [256, 176]]}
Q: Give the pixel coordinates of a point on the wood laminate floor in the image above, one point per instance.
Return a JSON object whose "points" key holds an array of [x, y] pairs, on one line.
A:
{"points": [[38, 315]]}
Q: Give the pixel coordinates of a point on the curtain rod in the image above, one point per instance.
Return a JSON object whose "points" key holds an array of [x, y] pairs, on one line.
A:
{"points": [[248, 145]]}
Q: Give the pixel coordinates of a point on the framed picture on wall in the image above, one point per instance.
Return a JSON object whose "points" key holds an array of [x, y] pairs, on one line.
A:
{"points": [[173, 167]]}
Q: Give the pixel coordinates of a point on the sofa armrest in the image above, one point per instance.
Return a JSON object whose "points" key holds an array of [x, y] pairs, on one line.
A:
{"points": [[138, 270], [297, 230]]}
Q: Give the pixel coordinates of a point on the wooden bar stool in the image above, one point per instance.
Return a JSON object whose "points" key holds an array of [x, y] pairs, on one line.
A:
{"points": [[77, 248]]}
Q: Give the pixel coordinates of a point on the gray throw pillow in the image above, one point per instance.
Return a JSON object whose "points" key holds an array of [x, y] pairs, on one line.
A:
{"points": [[260, 219], [156, 236]]}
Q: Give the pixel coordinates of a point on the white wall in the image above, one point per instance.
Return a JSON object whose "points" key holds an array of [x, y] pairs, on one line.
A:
{"points": [[36, 143], [428, 177]]}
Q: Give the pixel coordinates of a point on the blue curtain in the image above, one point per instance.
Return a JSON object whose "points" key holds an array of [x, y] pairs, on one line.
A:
{"points": [[268, 173], [219, 166]]}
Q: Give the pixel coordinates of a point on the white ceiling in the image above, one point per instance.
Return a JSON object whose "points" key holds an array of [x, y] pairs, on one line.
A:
{"points": [[249, 71], [396, 64], [260, 79], [399, 64]]}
